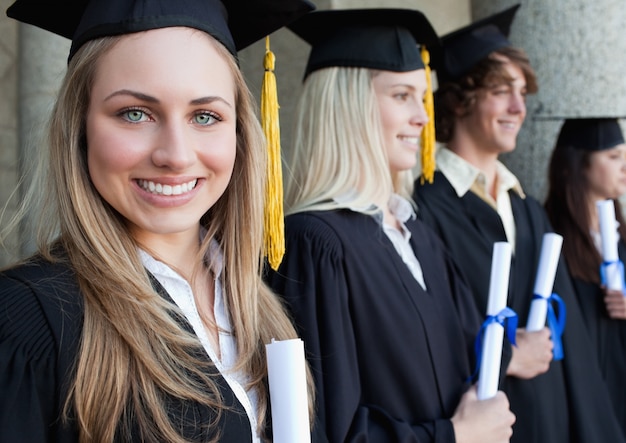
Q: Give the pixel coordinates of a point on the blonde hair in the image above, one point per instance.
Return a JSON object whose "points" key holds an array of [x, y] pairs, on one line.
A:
{"points": [[338, 148], [132, 349]]}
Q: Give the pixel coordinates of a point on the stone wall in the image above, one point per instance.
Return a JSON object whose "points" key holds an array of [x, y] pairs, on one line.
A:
{"points": [[8, 118]]}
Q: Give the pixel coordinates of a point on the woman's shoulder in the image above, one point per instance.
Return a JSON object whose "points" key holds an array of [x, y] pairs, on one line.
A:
{"points": [[41, 277], [40, 328], [40, 305], [329, 227]]}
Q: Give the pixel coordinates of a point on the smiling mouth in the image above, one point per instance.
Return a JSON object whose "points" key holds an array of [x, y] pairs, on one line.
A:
{"points": [[509, 125], [412, 140], [162, 189]]}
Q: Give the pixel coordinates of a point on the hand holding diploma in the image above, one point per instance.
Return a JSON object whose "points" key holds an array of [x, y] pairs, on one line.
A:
{"points": [[288, 391], [485, 421], [497, 314], [615, 304], [612, 268], [541, 306]]}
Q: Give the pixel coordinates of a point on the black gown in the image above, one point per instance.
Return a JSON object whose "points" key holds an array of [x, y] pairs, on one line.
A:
{"points": [[390, 360], [608, 337], [569, 403], [41, 314]]}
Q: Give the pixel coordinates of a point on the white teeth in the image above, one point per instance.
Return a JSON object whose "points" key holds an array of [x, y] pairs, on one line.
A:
{"points": [[414, 140], [161, 189]]}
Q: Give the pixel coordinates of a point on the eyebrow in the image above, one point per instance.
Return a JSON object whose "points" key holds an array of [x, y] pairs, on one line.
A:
{"points": [[148, 98], [509, 84], [402, 85]]}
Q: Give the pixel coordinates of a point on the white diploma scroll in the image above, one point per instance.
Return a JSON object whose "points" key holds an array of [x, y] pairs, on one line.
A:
{"points": [[544, 282], [608, 233], [288, 391], [494, 332]]}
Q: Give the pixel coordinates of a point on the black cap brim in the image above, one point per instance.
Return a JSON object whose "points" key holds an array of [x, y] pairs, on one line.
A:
{"points": [[590, 134], [377, 38], [235, 23]]}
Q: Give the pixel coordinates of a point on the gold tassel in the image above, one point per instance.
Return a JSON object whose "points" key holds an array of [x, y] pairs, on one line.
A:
{"points": [[274, 223], [428, 133]]}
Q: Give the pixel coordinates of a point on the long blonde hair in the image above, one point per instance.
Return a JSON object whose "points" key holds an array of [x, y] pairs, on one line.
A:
{"points": [[132, 350], [338, 148]]}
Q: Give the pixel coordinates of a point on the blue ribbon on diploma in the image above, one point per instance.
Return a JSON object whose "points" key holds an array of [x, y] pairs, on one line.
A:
{"points": [[604, 265], [507, 318], [556, 324]]}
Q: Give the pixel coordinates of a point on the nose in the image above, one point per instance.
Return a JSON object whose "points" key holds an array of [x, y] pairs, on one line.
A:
{"points": [[517, 104], [419, 116], [174, 147]]}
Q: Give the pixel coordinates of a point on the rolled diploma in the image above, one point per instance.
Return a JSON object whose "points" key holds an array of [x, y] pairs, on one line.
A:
{"points": [[608, 233], [494, 332], [548, 261], [288, 391]]}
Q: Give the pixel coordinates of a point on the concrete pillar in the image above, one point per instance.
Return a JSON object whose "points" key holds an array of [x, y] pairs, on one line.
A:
{"points": [[41, 65], [8, 121], [577, 48]]}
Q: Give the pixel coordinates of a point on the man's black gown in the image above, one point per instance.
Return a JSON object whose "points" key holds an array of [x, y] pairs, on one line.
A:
{"points": [[608, 336], [390, 360], [570, 402]]}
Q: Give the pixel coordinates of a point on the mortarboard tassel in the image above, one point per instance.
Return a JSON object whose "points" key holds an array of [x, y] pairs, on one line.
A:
{"points": [[428, 133], [274, 224]]}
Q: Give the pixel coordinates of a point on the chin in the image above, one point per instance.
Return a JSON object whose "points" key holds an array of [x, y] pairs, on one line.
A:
{"points": [[509, 147], [405, 167]]}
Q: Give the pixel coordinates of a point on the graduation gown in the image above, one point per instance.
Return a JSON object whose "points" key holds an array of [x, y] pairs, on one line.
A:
{"points": [[608, 337], [390, 360], [569, 403], [41, 313]]}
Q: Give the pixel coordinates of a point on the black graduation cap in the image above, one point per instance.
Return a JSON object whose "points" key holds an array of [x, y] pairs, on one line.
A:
{"points": [[463, 48], [235, 23], [376, 38], [590, 134]]}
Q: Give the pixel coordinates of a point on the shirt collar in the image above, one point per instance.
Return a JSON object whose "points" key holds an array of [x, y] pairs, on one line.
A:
{"points": [[462, 175], [214, 258], [399, 206]]}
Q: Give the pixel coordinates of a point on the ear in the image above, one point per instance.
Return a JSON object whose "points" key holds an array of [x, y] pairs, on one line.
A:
{"points": [[463, 110], [466, 107]]}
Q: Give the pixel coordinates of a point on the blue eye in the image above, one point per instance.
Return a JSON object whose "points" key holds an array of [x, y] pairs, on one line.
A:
{"points": [[134, 116], [206, 118]]}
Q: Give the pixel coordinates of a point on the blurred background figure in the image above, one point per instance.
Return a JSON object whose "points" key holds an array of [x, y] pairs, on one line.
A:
{"points": [[588, 164]]}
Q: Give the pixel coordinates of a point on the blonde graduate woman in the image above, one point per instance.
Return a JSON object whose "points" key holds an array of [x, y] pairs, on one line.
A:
{"points": [[142, 317], [371, 289]]}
